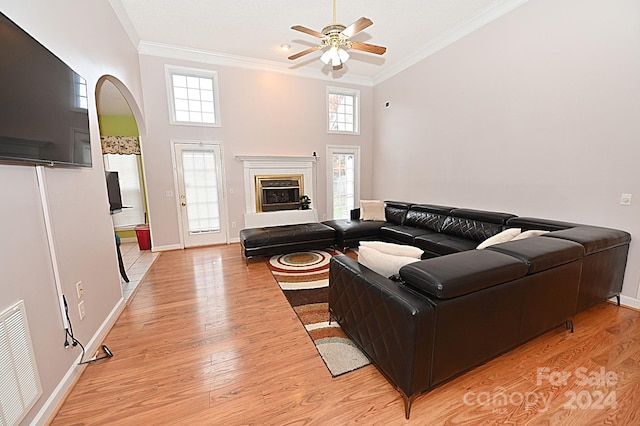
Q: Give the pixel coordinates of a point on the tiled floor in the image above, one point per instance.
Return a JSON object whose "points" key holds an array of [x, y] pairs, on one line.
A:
{"points": [[136, 262]]}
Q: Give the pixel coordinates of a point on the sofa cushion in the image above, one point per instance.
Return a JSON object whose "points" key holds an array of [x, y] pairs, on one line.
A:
{"points": [[396, 211], [502, 237], [372, 210], [451, 276], [427, 216], [540, 254], [593, 238], [400, 233], [429, 242], [452, 244], [477, 225], [349, 229], [382, 263], [442, 244], [393, 249], [536, 223]]}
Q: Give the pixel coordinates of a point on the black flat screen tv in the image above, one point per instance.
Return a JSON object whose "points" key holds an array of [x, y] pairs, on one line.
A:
{"points": [[43, 104]]}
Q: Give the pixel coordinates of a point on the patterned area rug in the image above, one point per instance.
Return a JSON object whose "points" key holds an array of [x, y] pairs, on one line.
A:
{"points": [[304, 279]]}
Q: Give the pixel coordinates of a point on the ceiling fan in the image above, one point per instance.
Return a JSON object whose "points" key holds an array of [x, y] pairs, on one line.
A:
{"points": [[336, 37]]}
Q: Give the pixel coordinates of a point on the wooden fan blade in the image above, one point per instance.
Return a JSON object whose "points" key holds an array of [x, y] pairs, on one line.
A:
{"points": [[357, 26], [305, 52], [307, 31], [366, 47], [338, 67]]}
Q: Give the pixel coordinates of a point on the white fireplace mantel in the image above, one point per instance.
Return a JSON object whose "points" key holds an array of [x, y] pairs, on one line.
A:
{"points": [[274, 165]]}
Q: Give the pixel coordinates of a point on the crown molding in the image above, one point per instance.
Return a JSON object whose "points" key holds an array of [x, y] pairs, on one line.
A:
{"points": [[188, 54], [124, 19], [454, 34]]}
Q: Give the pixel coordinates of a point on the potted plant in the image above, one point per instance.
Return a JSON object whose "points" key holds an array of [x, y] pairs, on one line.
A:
{"points": [[305, 201]]}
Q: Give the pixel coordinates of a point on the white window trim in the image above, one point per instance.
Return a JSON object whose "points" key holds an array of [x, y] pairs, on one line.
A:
{"points": [[356, 119], [342, 149], [169, 71]]}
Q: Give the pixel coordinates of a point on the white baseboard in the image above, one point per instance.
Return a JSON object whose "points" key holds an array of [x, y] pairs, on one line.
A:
{"points": [[627, 301], [167, 248], [51, 406]]}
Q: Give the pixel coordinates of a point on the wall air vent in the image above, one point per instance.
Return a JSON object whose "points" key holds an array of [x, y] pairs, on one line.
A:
{"points": [[20, 386]]}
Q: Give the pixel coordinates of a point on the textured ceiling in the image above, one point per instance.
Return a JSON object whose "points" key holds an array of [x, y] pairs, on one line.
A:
{"points": [[255, 29]]}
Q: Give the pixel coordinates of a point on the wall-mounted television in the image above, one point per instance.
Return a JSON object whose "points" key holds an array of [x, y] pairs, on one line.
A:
{"points": [[113, 190], [43, 104]]}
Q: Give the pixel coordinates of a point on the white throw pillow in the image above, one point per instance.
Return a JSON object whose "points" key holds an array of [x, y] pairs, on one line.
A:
{"points": [[502, 237], [384, 264], [529, 234], [372, 210], [393, 249]]}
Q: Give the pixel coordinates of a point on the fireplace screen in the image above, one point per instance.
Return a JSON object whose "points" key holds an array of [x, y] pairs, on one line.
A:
{"points": [[278, 192]]}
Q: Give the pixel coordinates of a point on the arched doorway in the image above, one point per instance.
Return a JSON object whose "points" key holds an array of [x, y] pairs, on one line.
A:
{"points": [[122, 157]]}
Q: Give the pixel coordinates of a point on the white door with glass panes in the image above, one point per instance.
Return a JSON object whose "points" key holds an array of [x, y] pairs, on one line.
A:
{"points": [[343, 175], [200, 193]]}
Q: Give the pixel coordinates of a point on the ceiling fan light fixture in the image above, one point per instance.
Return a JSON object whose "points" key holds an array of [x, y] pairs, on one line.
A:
{"points": [[343, 55], [326, 56], [335, 55]]}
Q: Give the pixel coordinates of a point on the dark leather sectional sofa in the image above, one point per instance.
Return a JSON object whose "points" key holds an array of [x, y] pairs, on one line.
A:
{"points": [[459, 307]]}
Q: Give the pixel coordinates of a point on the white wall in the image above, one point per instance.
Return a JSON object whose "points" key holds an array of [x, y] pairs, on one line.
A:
{"points": [[536, 114], [262, 113], [89, 38]]}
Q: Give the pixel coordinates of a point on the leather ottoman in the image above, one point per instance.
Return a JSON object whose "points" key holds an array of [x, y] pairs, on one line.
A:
{"points": [[349, 232], [271, 240]]}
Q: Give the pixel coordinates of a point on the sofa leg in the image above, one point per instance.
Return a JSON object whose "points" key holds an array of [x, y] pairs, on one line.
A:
{"points": [[407, 404], [569, 325], [331, 319], [618, 298]]}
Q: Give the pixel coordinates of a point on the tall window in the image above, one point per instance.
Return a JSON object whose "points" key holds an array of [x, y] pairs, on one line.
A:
{"points": [[128, 168], [344, 180], [194, 97], [343, 107]]}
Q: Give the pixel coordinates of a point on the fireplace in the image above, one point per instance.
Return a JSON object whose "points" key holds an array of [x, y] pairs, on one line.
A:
{"points": [[278, 192], [278, 168]]}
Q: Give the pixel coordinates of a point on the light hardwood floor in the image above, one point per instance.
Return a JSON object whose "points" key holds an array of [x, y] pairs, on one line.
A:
{"points": [[208, 340]]}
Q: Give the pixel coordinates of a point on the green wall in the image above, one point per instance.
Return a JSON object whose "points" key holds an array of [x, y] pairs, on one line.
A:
{"points": [[118, 125]]}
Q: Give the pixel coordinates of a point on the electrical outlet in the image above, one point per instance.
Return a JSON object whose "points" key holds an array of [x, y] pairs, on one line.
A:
{"points": [[79, 289], [233, 225], [625, 199], [81, 309]]}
